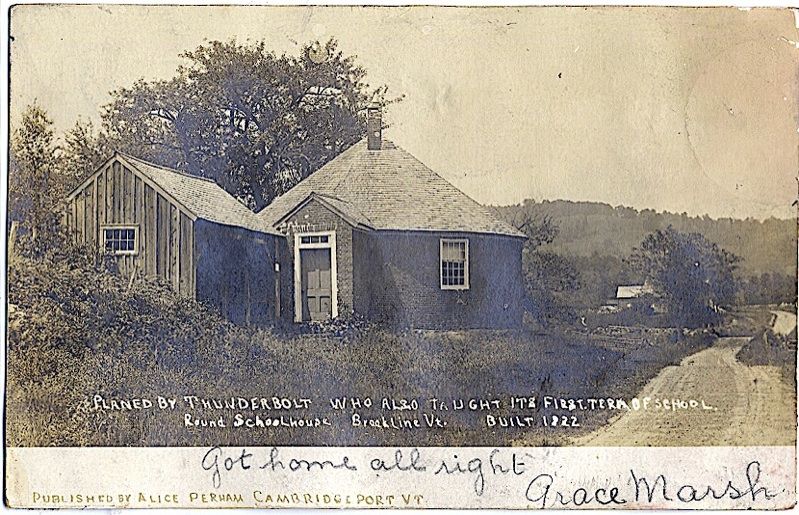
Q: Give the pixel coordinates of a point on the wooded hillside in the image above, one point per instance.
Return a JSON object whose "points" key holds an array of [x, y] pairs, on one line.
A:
{"points": [[595, 229]]}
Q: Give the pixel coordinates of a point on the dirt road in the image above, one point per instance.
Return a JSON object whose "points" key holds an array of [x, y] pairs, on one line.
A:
{"points": [[751, 405]]}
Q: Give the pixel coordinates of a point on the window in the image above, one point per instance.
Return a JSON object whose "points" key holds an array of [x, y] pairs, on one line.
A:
{"points": [[120, 240], [454, 264], [314, 239]]}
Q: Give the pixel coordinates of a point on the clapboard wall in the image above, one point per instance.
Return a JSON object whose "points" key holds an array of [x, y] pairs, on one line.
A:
{"points": [[118, 196]]}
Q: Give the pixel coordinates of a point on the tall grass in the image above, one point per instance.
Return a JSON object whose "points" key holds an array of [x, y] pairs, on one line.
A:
{"points": [[77, 330]]}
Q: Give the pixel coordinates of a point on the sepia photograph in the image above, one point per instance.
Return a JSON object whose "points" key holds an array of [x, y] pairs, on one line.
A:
{"points": [[362, 254]]}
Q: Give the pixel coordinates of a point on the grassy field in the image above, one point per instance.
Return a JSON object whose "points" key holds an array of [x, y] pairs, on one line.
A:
{"points": [[78, 334], [50, 395]]}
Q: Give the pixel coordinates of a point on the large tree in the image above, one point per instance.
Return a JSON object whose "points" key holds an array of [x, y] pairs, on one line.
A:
{"points": [[255, 122], [693, 276]]}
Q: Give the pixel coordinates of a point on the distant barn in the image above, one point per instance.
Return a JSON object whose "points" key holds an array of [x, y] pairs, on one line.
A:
{"points": [[182, 229], [633, 291], [373, 232]]}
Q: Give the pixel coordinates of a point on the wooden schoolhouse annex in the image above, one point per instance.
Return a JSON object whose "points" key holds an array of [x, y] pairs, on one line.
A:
{"points": [[374, 231], [183, 229]]}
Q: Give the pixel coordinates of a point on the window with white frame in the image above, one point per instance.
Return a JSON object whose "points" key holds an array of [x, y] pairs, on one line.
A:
{"points": [[121, 239], [454, 258]]}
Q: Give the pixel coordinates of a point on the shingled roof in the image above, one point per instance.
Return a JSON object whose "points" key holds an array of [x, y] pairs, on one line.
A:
{"points": [[389, 189], [202, 197]]}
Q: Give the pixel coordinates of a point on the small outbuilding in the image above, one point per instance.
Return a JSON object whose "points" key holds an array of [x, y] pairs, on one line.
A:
{"points": [[185, 230], [633, 291]]}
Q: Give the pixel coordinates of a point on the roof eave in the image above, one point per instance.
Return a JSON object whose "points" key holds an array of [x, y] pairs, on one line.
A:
{"points": [[455, 231], [260, 230], [320, 198]]}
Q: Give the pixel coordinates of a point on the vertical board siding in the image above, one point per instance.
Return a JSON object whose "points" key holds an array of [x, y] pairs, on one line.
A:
{"points": [[138, 198], [105, 202], [89, 232], [174, 247], [119, 188], [150, 231], [229, 267], [113, 193], [120, 196], [186, 251], [75, 221], [128, 194], [120, 215], [96, 205], [79, 209], [162, 237], [87, 201]]}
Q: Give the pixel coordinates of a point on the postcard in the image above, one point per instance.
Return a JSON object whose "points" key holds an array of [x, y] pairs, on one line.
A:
{"points": [[401, 257]]}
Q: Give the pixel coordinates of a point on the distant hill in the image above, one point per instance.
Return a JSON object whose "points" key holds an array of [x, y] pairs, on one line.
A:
{"points": [[595, 229]]}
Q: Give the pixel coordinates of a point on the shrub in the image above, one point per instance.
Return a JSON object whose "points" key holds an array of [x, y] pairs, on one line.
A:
{"points": [[768, 348], [72, 321]]}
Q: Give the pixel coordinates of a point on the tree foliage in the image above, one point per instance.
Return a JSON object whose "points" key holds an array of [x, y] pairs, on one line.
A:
{"points": [[693, 276], [254, 121], [35, 184], [82, 152], [767, 288], [549, 278]]}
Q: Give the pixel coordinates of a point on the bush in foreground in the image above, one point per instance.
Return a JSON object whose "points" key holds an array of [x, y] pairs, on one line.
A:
{"points": [[72, 321], [770, 349]]}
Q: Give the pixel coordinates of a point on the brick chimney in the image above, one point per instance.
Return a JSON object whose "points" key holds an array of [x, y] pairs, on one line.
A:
{"points": [[374, 126]]}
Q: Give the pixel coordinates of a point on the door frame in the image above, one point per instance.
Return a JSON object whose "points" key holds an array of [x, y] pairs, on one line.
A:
{"points": [[298, 246]]}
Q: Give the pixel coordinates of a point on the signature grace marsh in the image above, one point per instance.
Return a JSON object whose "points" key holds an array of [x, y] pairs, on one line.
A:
{"points": [[478, 471]]}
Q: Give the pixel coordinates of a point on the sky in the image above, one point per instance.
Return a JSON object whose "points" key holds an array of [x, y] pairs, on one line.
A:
{"points": [[684, 110]]}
